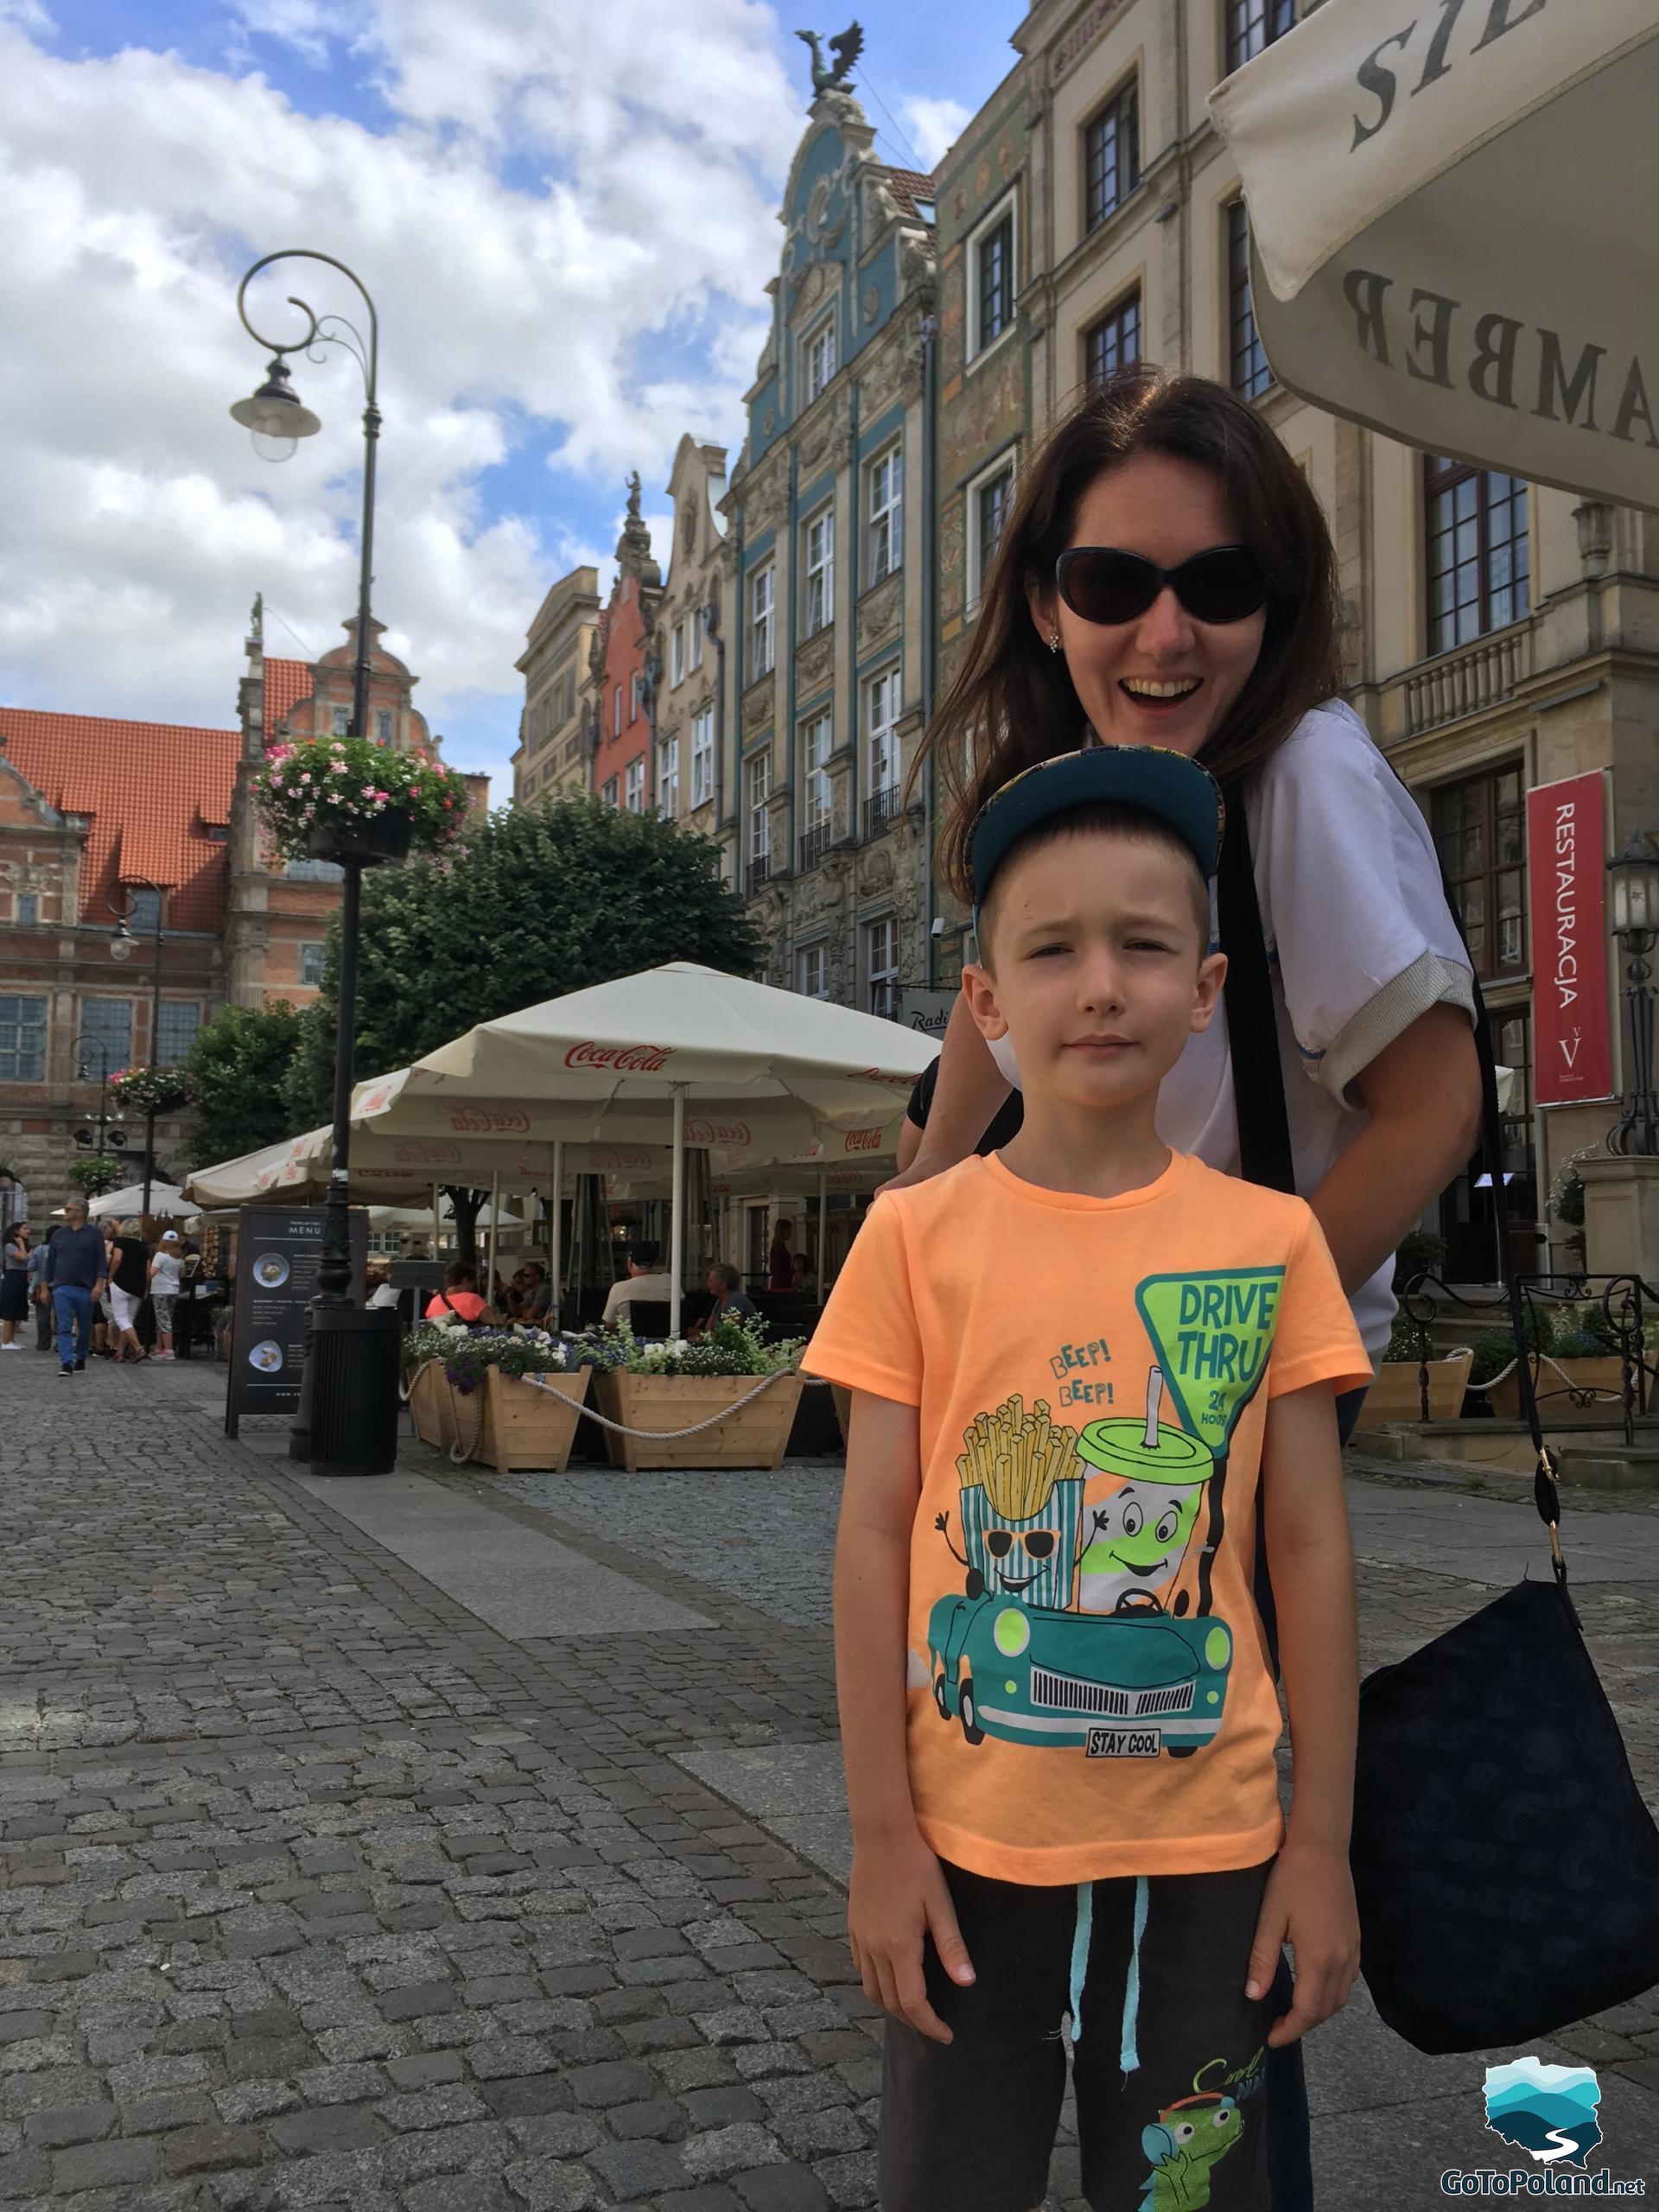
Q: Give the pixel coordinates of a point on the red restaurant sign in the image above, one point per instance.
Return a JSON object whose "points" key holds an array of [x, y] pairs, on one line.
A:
{"points": [[1567, 872]]}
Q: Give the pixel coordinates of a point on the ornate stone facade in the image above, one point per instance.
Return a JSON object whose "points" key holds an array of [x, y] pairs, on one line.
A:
{"points": [[554, 754], [691, 642]]}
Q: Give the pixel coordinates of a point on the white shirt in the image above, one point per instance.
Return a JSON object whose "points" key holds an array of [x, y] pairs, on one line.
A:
{"points": [[164, 1275], [645, 1287], [1360, 942]]}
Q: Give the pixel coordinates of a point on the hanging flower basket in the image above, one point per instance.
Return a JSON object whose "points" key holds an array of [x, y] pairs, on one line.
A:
{"points": [[150, 1091], [94, 1172], [348, 798]]}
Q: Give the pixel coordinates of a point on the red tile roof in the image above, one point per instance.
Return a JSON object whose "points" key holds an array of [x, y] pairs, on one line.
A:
{"points": [[287, 681], [912, 188], [152, 789]]}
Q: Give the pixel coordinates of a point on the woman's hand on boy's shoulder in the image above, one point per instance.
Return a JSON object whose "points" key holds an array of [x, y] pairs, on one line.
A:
{"points": [[1308, 1903], [897, 1897]]}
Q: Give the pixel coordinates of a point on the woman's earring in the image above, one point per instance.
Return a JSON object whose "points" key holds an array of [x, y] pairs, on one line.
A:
{"points": [[1053, 641]]}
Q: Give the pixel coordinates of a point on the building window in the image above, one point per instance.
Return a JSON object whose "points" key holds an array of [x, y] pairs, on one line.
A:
{"points": [[144, 911], [702, 756], [633, 790], [820, 604], [988, 502], [812, 971], [636, 694], [668, 778], [305, 871], [1113, 343], [383, 725], [882, 701], [1479, 556], [1480, 830], [1253, 25], [759, 775], [180, 1021], [882, 963], [815, 740], [342, 722], [991, 279], [1251, 375], [887, 513], [677, 657], [694, 624], [22, 1040], [106, 1031], [1112, 161], [760, 612], [25, 909], [612, 792], [311, 966], [820, 359], [616, 712]]}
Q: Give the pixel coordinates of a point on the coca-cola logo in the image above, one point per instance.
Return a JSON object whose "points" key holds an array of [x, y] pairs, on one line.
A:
{"points": [[427, 1155], [618, 1159], [492, 1121], [372, 1101], [701, 1132], [863, 1140], [624, 1059]]}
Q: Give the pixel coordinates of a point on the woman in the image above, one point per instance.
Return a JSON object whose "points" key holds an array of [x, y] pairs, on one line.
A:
{"points": [[780, 1261], [165, 1265], [14, 1286], [191, 1271], [1197, 609], [129, 1277], [459, 1299]]}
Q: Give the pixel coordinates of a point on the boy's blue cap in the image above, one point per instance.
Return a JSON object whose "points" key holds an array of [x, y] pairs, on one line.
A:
{"points": [[1169, 785]]}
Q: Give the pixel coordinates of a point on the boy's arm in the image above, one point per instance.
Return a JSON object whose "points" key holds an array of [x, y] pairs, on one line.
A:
{"points": [[966, 1096], [1309, 1901], [898, 1893]]}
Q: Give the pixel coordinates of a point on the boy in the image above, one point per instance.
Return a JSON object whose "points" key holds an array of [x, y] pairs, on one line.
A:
{"points": [[1058, 1717]]}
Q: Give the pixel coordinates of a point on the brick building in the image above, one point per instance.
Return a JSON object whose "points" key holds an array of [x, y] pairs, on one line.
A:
{"points": [[625, 672]]}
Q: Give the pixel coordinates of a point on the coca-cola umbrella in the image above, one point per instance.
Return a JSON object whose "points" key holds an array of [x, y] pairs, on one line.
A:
{"points": [[1440, 248], [754, 1074]]}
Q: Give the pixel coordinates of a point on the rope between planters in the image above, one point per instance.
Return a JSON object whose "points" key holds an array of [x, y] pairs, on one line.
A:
{"points": [[672, 1435]]}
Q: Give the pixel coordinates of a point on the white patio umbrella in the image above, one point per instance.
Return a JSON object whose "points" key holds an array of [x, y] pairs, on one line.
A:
{"points": [[1440, 249], [165, 1203], [755, 1073]]}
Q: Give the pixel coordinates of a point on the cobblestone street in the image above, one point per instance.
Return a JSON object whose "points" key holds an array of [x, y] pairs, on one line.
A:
{"points": [[321, 1891]]}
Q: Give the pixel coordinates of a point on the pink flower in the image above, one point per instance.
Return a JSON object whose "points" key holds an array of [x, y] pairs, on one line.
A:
{"points": [[305, 780]]}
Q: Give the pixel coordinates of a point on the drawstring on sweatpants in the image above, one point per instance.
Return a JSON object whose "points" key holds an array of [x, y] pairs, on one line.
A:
{"points": [[1129, 2056], [1080, 1936]]}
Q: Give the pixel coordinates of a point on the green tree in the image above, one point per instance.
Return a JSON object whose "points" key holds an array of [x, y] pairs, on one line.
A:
{"points": [[545, 899], [239, 1062]]}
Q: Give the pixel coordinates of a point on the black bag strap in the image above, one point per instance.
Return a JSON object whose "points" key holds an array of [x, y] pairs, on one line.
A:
{"points": [[1264, 1147]]}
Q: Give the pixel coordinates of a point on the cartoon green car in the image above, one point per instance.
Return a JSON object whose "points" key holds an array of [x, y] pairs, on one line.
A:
{"points": [[1127, 1685]]}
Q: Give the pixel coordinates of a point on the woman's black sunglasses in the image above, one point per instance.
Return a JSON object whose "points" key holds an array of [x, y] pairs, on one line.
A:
{"points": [[1101, 584]]}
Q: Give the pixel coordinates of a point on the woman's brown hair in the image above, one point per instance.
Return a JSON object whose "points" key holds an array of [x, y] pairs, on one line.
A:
{"points": [[1012, 702]]}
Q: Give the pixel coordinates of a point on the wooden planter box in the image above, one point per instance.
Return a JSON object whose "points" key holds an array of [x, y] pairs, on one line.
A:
{"points": [[1396, 1394], [1603, 1375], [431, 1403], [509, 1423], [756, 1436]]}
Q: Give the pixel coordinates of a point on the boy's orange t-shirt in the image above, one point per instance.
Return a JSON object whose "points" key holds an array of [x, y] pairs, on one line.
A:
{"points": [[1089, 1692]]}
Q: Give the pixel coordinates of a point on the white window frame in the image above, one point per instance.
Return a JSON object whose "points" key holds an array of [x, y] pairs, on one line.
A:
{"points": [[342, 722], [818, 599], [757, 775], [307, 981], [763, 609], [633, 784], [702, 756], [636, 694], [616, 712], [677, 658], [818, 359], [808, 959], [694, 655], [817, 743], [1007, 208], [24, 1030], [611, 791], [1004, 465], [382, 729], [668, 778], [883, 690], [887, 512], [886, 977]]}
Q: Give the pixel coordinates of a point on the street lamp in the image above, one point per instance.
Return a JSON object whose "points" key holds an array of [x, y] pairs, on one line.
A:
{"points": [[348, 1417], [1634, 881], [84, 1047], [126, 913]]}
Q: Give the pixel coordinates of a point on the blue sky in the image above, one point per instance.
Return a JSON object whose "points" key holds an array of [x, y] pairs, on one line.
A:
{"points": [[567, 221]]}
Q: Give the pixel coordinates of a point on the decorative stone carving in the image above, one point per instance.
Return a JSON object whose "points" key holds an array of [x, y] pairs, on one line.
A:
{"points": [[1595, 520], [764, 495], [879, 383], [815, 664], [757, 705], [872, 302], [1081, 37], [877, 869], [880, 612], [830, 428]]}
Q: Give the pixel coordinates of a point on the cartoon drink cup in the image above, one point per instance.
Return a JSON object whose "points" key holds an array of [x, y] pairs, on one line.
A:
{"points": [[1136, 1532]]}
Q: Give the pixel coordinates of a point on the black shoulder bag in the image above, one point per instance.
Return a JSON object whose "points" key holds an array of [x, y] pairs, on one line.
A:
{"points": [[1506, 1869]]}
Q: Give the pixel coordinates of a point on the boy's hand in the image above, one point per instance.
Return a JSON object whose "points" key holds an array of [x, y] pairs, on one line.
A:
{"points": [[898, 1896], [1308, 1903]]}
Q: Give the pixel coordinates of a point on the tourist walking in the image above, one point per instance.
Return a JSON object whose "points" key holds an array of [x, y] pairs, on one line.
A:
{"points": [[14, 1286], [164, 1269], [128, 1280], [77, 1269]]}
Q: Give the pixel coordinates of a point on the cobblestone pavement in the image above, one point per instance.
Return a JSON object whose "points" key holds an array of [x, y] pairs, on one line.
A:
{"points": [[318, 1893]]}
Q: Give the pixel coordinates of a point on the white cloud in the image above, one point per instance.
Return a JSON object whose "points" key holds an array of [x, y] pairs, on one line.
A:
{"points": [[934, 126], [554, 193]]}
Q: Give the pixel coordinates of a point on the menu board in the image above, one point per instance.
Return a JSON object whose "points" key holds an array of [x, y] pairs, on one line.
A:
{"points": [[278, 1255]]}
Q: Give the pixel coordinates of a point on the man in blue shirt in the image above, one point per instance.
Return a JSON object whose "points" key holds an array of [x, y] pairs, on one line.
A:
{"points": [[74, 1270]]}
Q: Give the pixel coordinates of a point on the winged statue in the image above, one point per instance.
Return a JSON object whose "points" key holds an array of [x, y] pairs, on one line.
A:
{"points": [[846, 46]]}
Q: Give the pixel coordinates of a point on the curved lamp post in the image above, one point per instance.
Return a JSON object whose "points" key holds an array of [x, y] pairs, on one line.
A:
{"points": [[85, 1046], [125, 913], [347, 1421]]}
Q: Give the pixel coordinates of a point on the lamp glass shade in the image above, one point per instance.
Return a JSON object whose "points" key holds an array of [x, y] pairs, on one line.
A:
{"points": [[274, 411], [1635, 880]]}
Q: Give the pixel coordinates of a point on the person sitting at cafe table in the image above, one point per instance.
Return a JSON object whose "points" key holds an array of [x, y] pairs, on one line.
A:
{"points": [[459, 1299], [724, 1284], [646, 1279], [530, 1295], [806, 1279]]}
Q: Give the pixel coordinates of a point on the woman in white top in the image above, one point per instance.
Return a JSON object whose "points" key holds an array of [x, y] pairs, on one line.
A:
{"points": [[164, 1265], [1199, 611]]}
